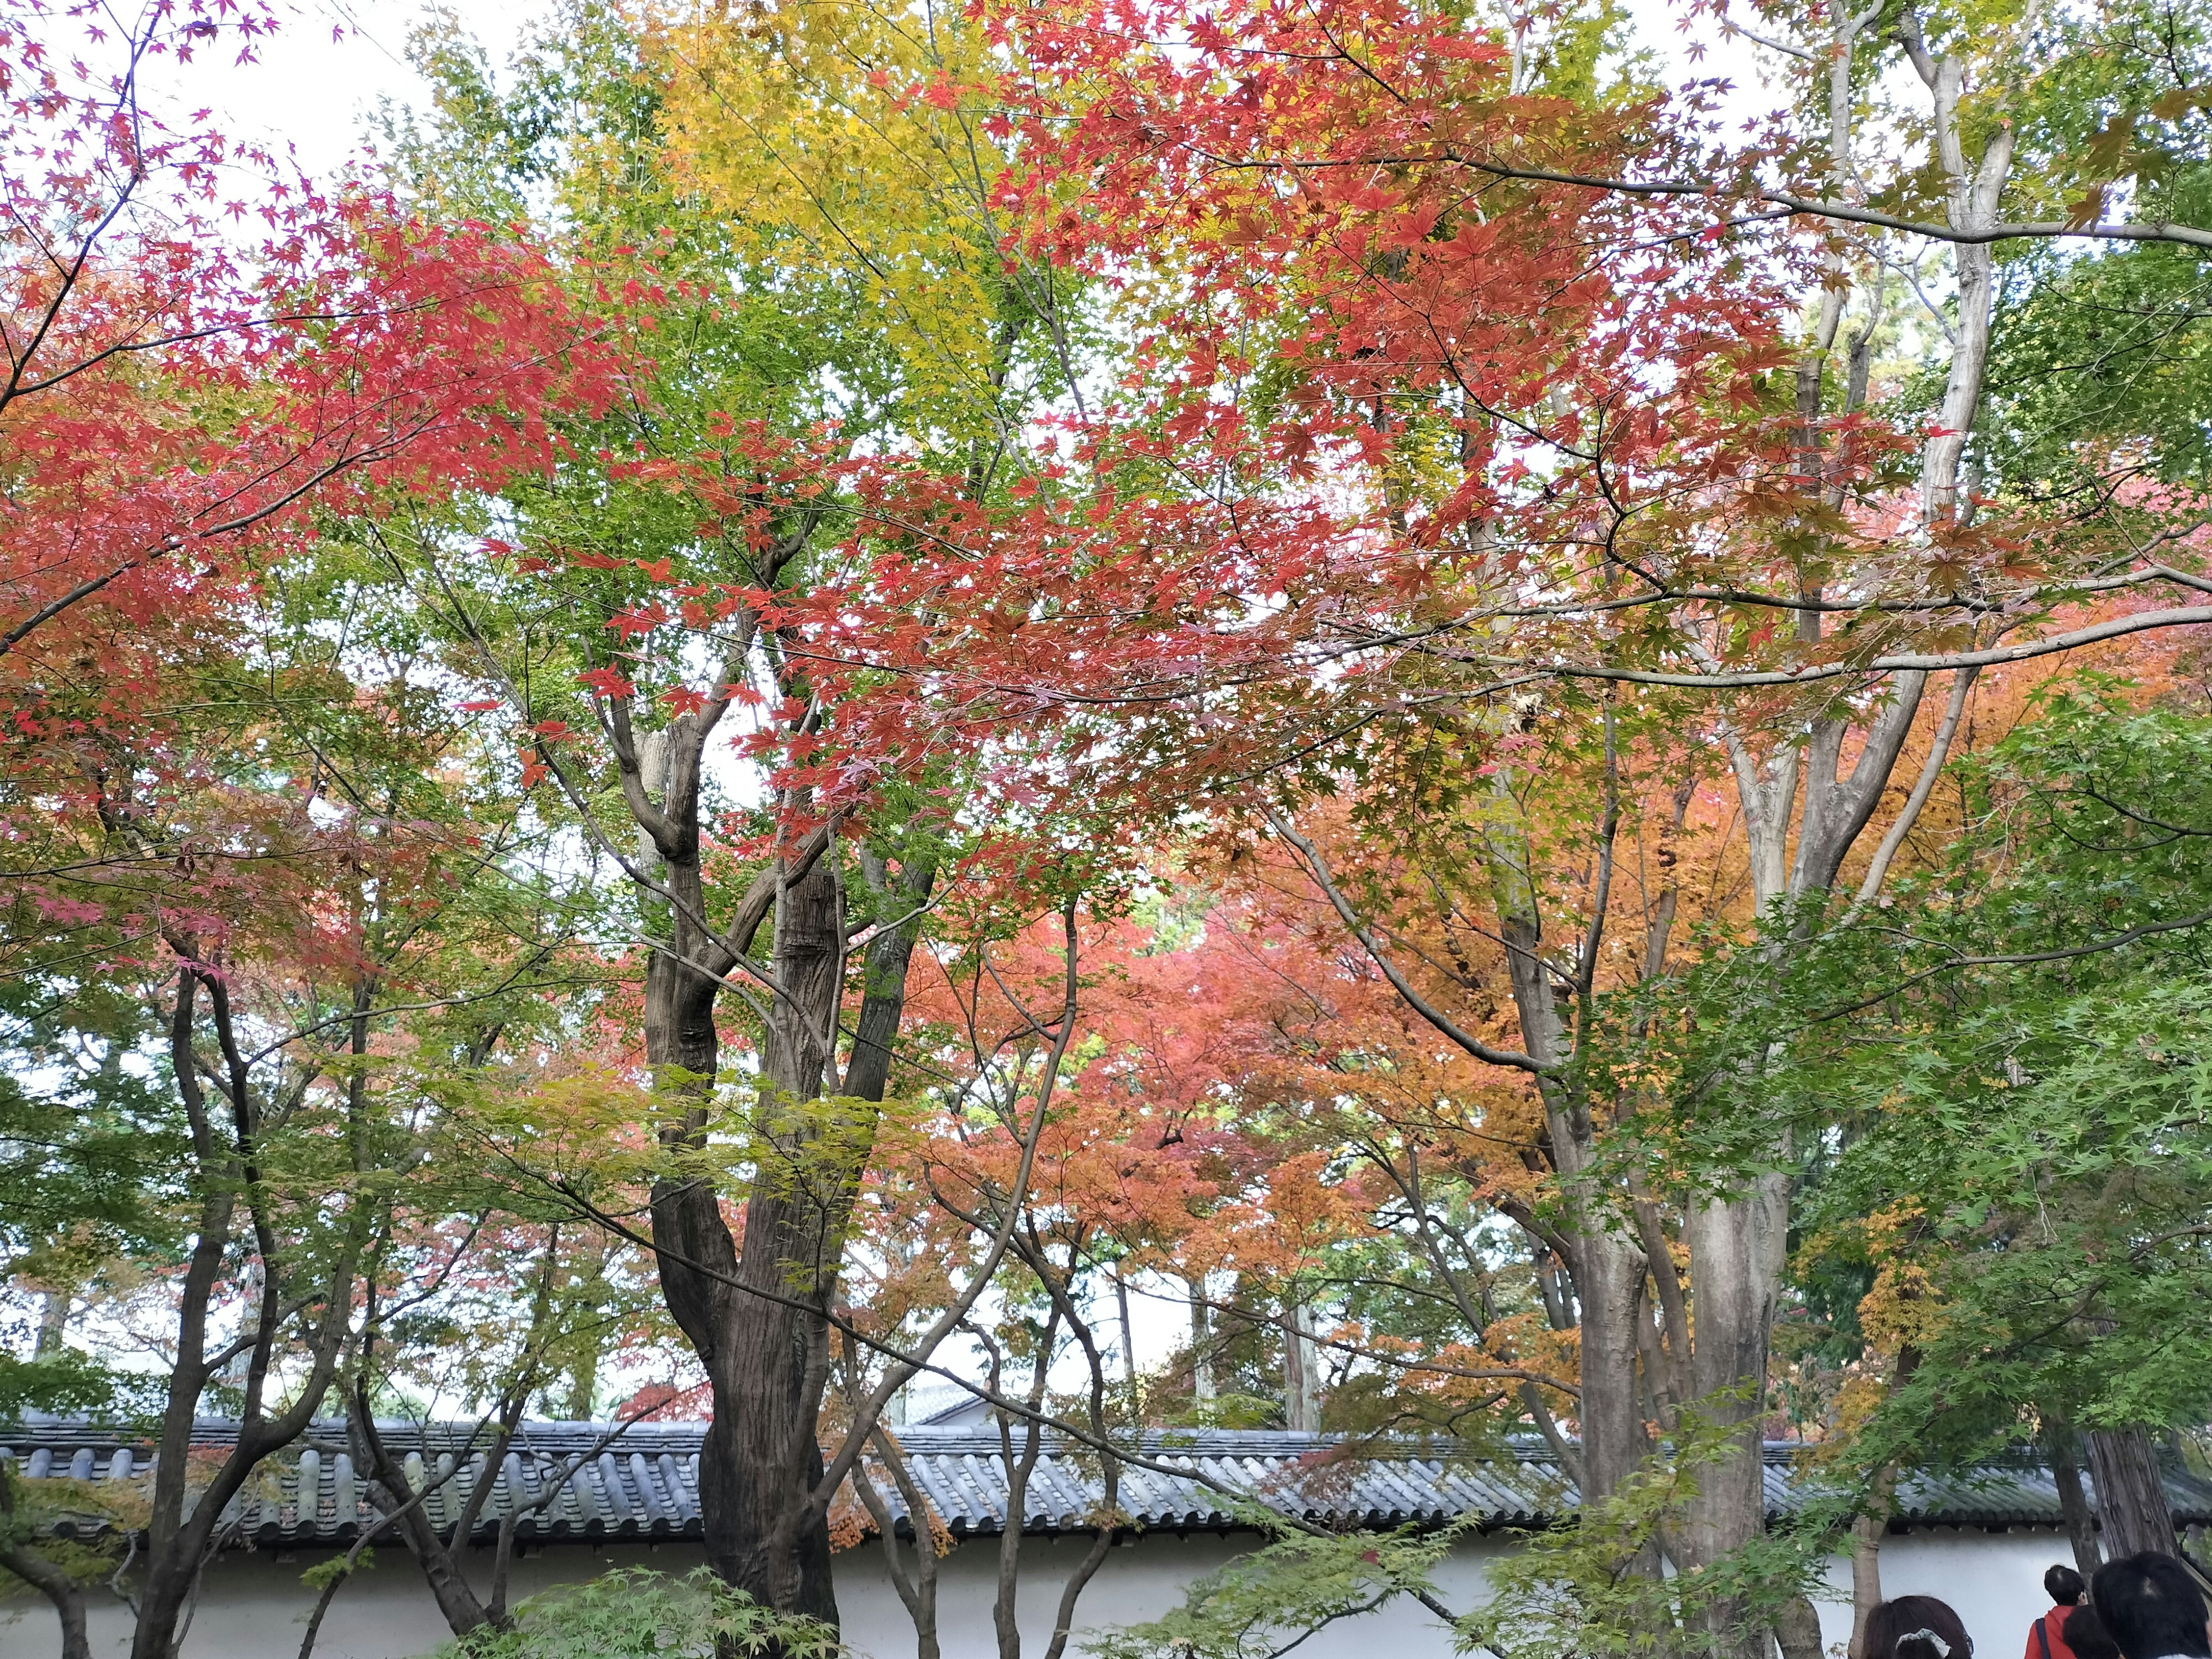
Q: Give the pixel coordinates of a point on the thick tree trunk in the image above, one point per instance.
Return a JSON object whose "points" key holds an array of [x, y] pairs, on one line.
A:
{"points": [[1737, 1249], [2130, 1493], [53, 1323], [773, 1362], [1608, 1274], [1797, 1629], [754, 1318], [1301, 1371], [758, 1316]]}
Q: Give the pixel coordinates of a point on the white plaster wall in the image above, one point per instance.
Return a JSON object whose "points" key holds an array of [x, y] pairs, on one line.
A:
{"points": [[253, 1607], [1993, 1580]]}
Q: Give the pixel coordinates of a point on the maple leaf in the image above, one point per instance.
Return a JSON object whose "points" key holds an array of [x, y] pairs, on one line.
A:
{"points": [[2086, 210]]}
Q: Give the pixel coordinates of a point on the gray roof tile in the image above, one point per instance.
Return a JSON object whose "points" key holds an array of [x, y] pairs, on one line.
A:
{"points": [[646, 1483]]}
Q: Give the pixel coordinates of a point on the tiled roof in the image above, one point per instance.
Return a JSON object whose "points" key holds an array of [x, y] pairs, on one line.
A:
{"points": [[645, 1484]]}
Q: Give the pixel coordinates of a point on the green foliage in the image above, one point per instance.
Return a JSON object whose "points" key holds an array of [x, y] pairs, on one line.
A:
{"points": [[2100, 369], [337, 1569], [1295, 1584], [1997, 1089], [632, 1613], [1588, 1588], [62, 1382]]}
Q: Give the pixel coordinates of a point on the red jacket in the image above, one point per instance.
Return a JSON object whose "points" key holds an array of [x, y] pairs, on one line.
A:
{"points": [[2046, 1637]]}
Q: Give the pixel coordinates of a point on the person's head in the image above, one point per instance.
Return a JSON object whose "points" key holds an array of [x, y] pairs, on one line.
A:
{"points": [[2085, 1636], [2150, 1605], [1917, 1627], [2063, 1585]]}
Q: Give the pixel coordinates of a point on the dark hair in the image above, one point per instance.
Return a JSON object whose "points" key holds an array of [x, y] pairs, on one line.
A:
{"points": [[2151, 1605], [2062, 1585], [1900, 1630], [2085, 1636]]}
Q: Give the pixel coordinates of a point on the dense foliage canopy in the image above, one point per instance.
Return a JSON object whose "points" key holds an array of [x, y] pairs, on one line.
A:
{"points": [[1385, 717]]}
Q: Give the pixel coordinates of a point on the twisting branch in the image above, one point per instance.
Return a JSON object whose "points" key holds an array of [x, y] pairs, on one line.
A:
{"points": [[1420, 1005]]}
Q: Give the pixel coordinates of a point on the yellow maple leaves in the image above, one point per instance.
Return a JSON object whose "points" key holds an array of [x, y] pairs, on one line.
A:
{"points": [[856, 144]]}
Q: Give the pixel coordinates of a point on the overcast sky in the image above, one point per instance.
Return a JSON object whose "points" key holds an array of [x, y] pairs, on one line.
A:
{"points": [[333, 60], [327, 68]]}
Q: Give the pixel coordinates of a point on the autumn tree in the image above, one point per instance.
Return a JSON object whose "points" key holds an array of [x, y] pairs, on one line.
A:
{"points": [[318, 903], [1486, 396], [646, 620]]}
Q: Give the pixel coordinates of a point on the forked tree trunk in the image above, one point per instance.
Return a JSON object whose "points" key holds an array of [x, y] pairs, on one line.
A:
{"points": [[1737, 1248], [1608, 1267], [756, 1316]]}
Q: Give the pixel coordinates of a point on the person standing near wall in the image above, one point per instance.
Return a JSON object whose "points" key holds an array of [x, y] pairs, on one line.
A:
{"points": [[2046, 1636]]}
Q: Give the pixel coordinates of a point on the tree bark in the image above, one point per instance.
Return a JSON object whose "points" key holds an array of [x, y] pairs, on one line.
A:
{"points": [[759, 1459], [1797, 1629], [1607, 1268], [180, 1538], [1737, 1247], [2065, 1454], [771, 1362], [1608, 1280], [2130, 1493], [757, 1314], [1301, 1371], [65, 1593], [53, 1323], [1201, 1344], [1867, 1531]]}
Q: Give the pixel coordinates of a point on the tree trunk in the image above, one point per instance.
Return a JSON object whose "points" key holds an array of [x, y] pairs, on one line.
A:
{"points": [[774, 1359], [1608, 1280], [179, 1540], [53, 1323], [758, 1316], [2130, 1493], [1201, 1345], [1736, 1249], [1797, 1629], [459, 1604], [1128, 1335], [42, 1575], [2074, 1504], [1866, 1576], [1301, 1371]]}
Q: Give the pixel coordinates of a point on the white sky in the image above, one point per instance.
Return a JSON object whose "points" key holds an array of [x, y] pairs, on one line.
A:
{"points": [[314, 92]]}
